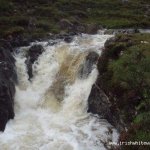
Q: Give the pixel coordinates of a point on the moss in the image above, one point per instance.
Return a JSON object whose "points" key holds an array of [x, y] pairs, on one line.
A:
{"points": [[125, 78], [5, 5], [142, 117], [14, 31]]}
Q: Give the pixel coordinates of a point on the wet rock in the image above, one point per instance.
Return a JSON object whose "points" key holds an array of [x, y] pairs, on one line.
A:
{"points": [[34, 52], [68, 39], [109, 42], [3, 118], [87, 67], [80, 28], [77, 26], [73, 33], [8, 79], [109, 31], [93, 28], [99, 103], [65, 24], [11, 42], [124, 31]]}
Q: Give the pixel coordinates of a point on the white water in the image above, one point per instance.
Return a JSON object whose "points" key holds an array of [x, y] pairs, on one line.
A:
{"points": [[51, 111]]}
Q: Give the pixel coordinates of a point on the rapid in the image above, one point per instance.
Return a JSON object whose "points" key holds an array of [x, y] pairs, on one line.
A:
{"points": [[51, 109]]}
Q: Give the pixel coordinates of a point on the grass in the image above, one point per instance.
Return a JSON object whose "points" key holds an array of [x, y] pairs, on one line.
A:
{"points": [[110, 14]]}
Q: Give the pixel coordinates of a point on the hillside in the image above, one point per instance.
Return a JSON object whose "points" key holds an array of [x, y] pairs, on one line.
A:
{"points": [[37, 17]]}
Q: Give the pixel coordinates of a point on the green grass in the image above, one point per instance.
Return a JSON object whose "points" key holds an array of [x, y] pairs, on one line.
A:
{"points": [[108, 13]]}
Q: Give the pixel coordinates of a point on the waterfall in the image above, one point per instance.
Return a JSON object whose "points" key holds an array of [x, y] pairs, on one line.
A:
{"points": [[51, 109]]}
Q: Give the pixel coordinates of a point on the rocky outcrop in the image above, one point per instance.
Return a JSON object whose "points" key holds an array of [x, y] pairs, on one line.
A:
{"points": [[65, 24], [99, 103], [14, 41], [124, 31], [117, 94], [34, 52], [8, 78], [104, 100], [77, 26]]}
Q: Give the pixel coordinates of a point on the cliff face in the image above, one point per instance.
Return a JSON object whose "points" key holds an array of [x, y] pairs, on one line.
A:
{"points": [[8, 78], [121, 93]]}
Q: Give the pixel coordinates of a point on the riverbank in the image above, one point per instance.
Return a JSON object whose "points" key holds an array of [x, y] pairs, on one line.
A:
{"points": [[121, 93]]}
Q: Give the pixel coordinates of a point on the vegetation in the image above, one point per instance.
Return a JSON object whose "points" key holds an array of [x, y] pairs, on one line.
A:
{"points": [[124, 64], [125, 77], [43, 16]]}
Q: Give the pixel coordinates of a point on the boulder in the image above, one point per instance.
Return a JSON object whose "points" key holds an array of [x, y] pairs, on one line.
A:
{"points": [[68, 39], [124, 31], [87, 67], [65, 24], [80, 28], [99, 103], [92, 28], [8, 79], [34, 52]]}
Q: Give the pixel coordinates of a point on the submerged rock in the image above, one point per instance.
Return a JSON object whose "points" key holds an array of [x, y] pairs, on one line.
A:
{"points": [[34, 52], [87, 67], [8, 78], [68, 39]]}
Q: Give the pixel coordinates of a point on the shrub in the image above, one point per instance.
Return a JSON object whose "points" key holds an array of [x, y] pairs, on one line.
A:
{"points": [[14, 31], [132, 69], [5, 5]]}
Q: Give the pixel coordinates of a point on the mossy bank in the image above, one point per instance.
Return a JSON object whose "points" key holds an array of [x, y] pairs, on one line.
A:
{"points": [[125, 80]]}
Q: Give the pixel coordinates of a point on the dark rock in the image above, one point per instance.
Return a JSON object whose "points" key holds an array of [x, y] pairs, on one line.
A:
{"points": [[125, 31], [73, 33], [8, 79], [3, 118], [11, 42], [19, 41], [99, 103], [109, 31], [68, 39], [109, 42], [92, 28], [65, 24], [34, 52], [87, 67], [80, 28]]}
